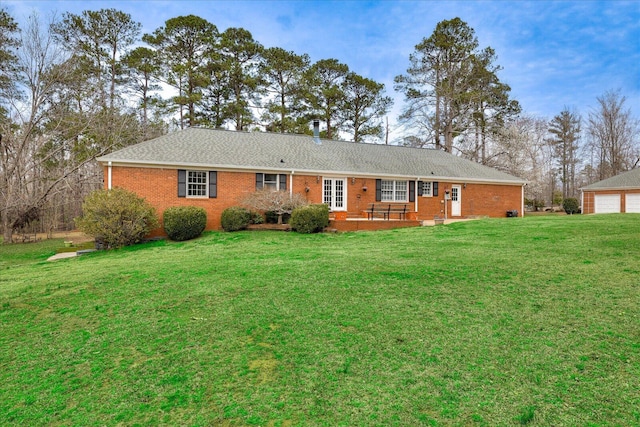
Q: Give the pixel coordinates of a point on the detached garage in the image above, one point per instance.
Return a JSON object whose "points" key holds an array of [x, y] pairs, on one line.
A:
{"points": [[617, 194]]}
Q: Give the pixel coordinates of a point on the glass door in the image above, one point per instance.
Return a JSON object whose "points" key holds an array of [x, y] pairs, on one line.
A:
{"points": [[334, 194]]}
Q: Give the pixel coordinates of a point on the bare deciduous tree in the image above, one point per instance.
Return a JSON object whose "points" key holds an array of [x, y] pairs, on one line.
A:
{"points": [[278, 202], [613, 135]]}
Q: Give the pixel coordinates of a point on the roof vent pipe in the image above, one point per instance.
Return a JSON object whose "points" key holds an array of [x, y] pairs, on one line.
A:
{"points": [[316, 132]]}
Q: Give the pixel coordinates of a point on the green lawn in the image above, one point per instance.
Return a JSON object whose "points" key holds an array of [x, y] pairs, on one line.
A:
{"points": [[518, 321]]}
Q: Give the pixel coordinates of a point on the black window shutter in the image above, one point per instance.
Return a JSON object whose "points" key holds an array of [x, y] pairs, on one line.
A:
{"points": [[259, 181], [182, 183], [420, 188], [378, 190], [283, 182], [434, 189], [412, 191], [213, 184]]}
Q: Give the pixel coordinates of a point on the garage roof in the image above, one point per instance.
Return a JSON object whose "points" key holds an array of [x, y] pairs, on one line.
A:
{"points": [[626, 180]]}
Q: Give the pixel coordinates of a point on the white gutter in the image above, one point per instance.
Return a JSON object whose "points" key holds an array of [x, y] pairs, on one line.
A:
{"points": [[522, 203], [291, 184], [109, 176], [416, 196], [374, 175]]}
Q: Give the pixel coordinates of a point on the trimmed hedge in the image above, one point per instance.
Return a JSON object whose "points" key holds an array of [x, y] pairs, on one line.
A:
{"points": [[184, 222], [235, 218], [310, 218]]}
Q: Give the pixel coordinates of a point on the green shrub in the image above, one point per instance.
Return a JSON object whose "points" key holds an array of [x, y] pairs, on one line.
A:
{"points": [[235, 218], [256, 217], [310, 218], [116, 217], [571, 205], [184, 222], [272, 218]]}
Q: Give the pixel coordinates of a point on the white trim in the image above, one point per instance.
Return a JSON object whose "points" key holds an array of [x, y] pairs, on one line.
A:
{"points": [[394, 191], [291, 184], [109, 172], [206, 185], [235, 168], [332, 205], [458, 202], [430, 188], [415, 198]]}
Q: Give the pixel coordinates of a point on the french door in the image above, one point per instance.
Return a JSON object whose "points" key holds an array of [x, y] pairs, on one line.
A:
{"points": [[335, 193]]}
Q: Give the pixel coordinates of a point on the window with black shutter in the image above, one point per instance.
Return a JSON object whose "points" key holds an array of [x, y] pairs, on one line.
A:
{"points": [[197, 183], [272, 181]]}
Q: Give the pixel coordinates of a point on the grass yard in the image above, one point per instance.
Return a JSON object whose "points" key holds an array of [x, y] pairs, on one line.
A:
{"points": [[519, 321]]}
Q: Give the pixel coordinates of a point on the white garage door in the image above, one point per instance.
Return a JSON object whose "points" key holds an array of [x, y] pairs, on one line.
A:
{"points": [[608, 203], [632, 203]]}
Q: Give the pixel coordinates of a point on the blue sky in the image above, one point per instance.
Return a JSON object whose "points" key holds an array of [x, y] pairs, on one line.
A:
{"points": [[554, 54]]}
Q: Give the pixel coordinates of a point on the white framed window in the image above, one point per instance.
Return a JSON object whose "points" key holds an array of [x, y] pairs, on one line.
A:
{"points": [[426, 189], [196, 184], [394, 191], [271, 181]]}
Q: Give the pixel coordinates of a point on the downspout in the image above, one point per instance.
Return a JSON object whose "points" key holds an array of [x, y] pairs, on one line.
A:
{"points": [[109, 176], [522, 201], [582, 201], [291, 184], [416, 197]]}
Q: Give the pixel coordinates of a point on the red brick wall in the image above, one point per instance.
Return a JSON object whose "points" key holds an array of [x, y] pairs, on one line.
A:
{"points": [[483, 199], [159, 187]]}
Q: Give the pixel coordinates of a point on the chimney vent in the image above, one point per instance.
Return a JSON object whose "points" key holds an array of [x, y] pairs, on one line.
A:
{"points": [[316, 132]]}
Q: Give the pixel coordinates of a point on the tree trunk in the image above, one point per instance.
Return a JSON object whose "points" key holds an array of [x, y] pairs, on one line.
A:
{"points": [[7, 232]]}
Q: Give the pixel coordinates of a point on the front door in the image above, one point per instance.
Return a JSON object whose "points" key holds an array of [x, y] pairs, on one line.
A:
{"points": [[456, 201], [334, 194]]}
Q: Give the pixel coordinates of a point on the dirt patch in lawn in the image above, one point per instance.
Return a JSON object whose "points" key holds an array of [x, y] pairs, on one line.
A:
{"points": [[69, 236]]}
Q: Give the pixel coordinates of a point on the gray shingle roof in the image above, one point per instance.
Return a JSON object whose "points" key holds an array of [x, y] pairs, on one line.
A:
{"points": [[626, 180], [260, 151]]}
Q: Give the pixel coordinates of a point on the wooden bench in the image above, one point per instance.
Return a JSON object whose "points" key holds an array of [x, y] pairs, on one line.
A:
{"points": [[386, 209]]}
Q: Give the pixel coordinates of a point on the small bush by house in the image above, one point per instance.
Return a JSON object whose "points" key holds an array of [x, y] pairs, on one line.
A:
{"points": [[278, 203], [116, 217], [184, 222], [571, 205], [256, 218], [235, 218], [272, 218], [310, 218]]}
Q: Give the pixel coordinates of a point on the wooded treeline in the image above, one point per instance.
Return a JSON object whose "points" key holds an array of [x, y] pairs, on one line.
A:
{"points": [[78, 86]]}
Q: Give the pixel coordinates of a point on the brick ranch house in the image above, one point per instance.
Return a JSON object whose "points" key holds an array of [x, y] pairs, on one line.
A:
{"points": [[620, 193], [216, 169]]}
